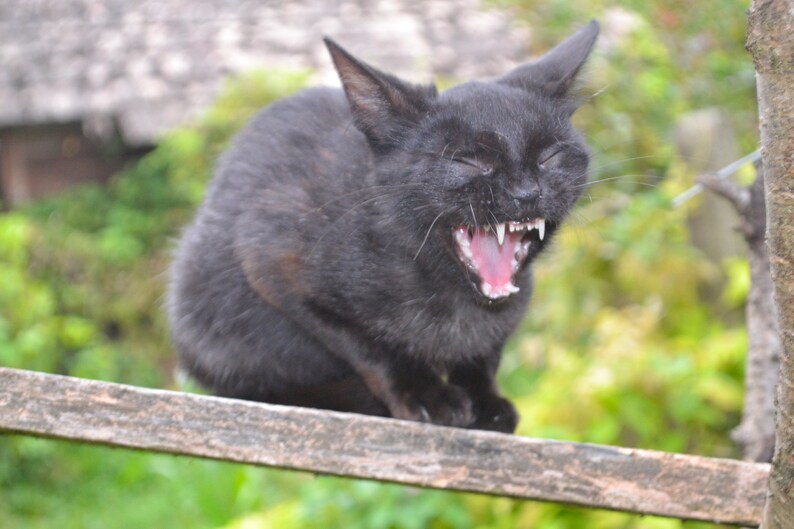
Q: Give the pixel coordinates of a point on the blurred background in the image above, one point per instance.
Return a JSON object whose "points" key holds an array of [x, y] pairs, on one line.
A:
{"points": [[112, 113]]}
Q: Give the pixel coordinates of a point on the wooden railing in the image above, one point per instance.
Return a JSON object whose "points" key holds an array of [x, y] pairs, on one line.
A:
{"points": [[344, 444]]}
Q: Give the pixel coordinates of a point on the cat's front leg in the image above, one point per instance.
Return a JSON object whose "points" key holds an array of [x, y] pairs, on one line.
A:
{"points": [[410, 388], [491, 410], [414, 391]]}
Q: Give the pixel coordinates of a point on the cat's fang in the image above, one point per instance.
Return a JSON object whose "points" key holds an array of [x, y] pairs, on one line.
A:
{"points": [[540, 225], [500, 233]]}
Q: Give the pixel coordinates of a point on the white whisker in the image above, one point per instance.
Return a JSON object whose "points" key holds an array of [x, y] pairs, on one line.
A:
{"points": [[428, 234]]}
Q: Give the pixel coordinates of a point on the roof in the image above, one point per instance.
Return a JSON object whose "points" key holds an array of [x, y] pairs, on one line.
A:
{"points": [[150, 65]]}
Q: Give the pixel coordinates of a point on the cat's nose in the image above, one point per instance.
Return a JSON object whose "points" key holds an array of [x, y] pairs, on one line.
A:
{"points": [[527, 193]]}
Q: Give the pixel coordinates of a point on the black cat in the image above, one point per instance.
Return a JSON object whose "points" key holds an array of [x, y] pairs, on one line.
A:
{"points": [[370, 253]]}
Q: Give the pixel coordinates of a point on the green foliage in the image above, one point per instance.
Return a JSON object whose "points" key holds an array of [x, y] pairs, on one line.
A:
{"points": [[49, 484], [618, 347], [84, 273]]}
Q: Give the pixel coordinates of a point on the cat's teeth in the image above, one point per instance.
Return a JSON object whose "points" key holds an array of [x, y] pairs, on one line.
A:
{"points": [[493, 292], [487, 227], [540, 225], [500, 233], [463, 241], [464, 244]]}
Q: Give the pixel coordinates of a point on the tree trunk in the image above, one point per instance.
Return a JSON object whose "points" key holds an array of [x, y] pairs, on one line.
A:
{"points": [[771, 42]]}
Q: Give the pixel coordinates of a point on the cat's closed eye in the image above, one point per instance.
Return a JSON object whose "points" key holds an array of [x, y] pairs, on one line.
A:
{"points": [[549, 157], [474, 164]]}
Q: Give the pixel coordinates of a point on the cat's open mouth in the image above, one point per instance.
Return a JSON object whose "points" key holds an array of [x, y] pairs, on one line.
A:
{"points": [[495, 253]]}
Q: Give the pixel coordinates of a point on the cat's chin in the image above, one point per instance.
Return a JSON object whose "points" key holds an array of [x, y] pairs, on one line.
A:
{"points": [[493, 255]]}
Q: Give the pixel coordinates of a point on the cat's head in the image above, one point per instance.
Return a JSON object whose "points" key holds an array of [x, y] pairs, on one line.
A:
{"points": [[488, 170]]}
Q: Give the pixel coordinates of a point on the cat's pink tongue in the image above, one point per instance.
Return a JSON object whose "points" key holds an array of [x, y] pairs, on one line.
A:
{"points": [[494, 261]]}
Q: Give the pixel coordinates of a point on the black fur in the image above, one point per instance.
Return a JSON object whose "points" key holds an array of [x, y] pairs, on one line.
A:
{"points": [[321, 269]]}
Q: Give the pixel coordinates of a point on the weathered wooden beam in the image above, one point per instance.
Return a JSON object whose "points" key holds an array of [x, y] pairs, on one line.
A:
{"points": [[640, 481]]}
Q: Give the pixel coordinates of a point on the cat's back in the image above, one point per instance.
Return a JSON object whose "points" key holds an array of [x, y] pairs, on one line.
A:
{"points": [[270, 190], [299, 151], [267, 192]]}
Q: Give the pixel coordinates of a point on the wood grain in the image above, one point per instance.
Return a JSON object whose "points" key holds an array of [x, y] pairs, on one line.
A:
{"points": [[640, 481]]}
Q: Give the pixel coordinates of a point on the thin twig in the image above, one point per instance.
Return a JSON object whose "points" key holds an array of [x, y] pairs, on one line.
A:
{"points": [[723, 173], [728, 189]]}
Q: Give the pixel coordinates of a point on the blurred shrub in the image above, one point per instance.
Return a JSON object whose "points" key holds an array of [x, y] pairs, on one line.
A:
{"points": [[83, 274]]}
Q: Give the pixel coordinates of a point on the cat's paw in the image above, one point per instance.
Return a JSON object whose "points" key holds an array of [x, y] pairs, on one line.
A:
{"points": [[495, 413], [442, 404]]}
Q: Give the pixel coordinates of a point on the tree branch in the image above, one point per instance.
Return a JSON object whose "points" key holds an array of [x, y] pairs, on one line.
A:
{"points": [[738, 196], [756, 433]]}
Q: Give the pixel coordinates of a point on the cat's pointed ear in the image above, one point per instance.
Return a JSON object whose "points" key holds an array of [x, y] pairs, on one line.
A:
{"points": [[382, 105], [555, 72]]}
